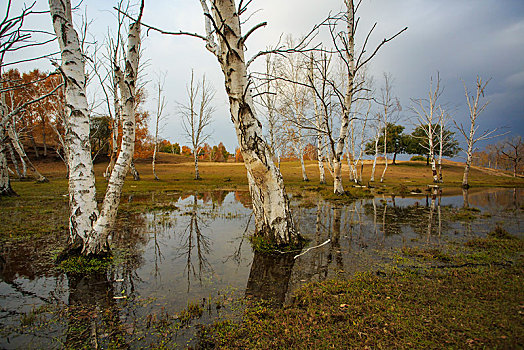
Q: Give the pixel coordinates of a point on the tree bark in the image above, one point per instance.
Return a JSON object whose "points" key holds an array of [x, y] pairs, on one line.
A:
{"points": [[5, 184], [271, 209], [82, 201], [134, 172], [197, 173], [13, 159], [21, 153], [88, 229], [372, 179]]}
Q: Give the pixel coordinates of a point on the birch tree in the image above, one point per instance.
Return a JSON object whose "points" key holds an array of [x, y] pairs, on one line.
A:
{"points": [[427, 110], [89, 228], [342, 30], [268, 100], [294, 100], [14, 37], [389, 105], [161, 105], [224, 39], [197, 115], [476, 106]]}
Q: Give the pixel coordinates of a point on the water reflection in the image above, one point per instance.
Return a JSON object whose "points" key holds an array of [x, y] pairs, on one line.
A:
{"points": [[93, 313], [269, 277], [193, 247]]}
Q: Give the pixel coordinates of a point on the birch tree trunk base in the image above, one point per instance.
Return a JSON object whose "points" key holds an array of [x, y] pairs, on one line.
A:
{"points": [[5, 184]]}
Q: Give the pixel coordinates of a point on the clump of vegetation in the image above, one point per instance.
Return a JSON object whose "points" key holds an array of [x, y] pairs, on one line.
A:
{"points": [[466, 214], [418, 159], [430, 254], [350, 194], [163, 207], [500, 233], [265, 245], [85, 264], [193, 311]]}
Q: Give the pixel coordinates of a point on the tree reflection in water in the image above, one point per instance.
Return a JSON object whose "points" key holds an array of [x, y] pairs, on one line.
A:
{"points": [[269, 277], [93, 313], [194, 242]]}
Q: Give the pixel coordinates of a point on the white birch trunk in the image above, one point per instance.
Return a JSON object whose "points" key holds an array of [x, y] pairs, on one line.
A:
{"points": [[372, 179], [82, 200], [304, 174], [270, 202], [320, 156], [89, 230], [21, 153], [318, 125], [127, 85], [441, 150], [344, 125], [13, 159], [385, 148], [195, 156], [5, 184], [432, 153], [467, 166]]}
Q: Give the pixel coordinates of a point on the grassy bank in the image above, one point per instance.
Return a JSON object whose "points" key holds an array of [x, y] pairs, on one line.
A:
{"points": [[463, 296], [42, 209]]}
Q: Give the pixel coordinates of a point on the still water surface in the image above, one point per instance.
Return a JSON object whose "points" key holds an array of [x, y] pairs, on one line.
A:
{"points": [[195, 251]]}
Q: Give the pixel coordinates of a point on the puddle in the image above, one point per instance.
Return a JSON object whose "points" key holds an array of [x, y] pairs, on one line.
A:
{"points": [[188, 262]]}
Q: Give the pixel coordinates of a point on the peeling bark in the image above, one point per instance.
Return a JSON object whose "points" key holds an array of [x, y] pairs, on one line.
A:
{"points": [[5, 184], [88, 228], [270, 202], [21, 153]]}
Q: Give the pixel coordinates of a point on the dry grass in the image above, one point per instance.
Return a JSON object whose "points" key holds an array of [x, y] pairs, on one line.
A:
{"points": [[178, 171]]}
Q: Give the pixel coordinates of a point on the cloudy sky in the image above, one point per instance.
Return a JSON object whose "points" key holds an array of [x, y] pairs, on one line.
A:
{"points": [[460, 39]]}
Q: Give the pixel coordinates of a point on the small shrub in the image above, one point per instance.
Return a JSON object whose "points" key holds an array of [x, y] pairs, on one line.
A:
{"points": [[419, 159]]}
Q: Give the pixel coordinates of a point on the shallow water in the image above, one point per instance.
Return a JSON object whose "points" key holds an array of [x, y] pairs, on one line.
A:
{"points": [[196, 251]]}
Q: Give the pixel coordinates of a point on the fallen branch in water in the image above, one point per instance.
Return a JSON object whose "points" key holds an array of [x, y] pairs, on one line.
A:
{"points": [[317, 246]]}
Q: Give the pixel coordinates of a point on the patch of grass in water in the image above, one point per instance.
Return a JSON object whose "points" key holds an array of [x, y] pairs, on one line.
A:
{"points": [[267, 246], [85, 265], [466, 214]]}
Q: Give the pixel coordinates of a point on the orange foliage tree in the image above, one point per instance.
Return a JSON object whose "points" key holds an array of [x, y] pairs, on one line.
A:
{"points": [[238, 156]]}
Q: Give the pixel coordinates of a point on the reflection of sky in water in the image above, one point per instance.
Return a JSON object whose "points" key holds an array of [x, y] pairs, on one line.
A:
{"points": [[169, 269], [180, 270]]}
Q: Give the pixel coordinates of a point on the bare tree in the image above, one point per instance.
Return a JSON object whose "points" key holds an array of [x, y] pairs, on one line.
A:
{"points": [[318, 122], [427, 111], [159, 116], [197, 114], [14, 37], [513, 149], [376, 138], [389, 106], [294, 103], [270, 202], [343, 29], [89, 229], [476, 106], [268, 99]]}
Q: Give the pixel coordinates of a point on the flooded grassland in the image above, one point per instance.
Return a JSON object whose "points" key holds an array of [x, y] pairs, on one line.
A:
{"points": [[182, 260]]}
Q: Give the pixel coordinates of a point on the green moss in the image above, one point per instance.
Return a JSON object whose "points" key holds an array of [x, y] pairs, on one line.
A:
{"points": [[265, 245], [85, 265]]}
